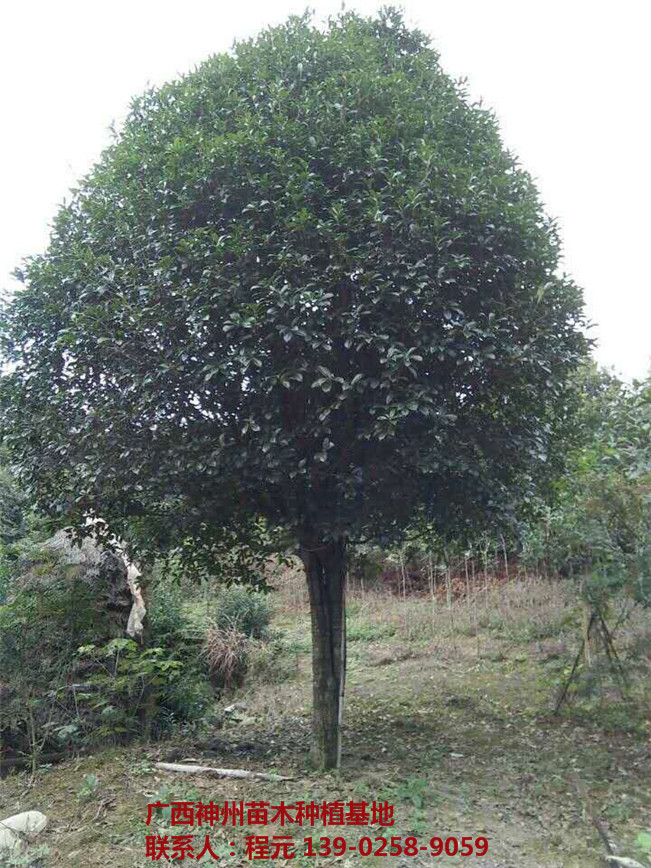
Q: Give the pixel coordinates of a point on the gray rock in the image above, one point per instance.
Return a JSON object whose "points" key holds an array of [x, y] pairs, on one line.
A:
{"points": [[113, 581], [14, 829]]}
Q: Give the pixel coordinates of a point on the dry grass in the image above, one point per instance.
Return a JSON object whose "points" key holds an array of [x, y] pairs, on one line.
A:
{"points": [[523, 609], [225, 652]]}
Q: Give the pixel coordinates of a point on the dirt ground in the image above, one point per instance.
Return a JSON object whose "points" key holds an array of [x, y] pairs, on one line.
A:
{"points": [[458, 734]]}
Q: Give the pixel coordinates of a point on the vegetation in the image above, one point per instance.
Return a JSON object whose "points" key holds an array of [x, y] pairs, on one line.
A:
{"points": [[305, 297], [305, 320], [248, 612], [455, 728]]}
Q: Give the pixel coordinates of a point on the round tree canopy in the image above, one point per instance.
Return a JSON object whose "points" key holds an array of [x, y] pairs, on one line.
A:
{"points": [[306, 285]]}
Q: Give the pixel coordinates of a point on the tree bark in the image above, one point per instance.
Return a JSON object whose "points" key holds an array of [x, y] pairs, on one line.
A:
{"points": [[325, 570]]}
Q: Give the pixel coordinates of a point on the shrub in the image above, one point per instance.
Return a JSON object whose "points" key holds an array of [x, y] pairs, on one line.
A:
{"points": [[129, 682], [40, 631], [185, 700], [248, 611], [225, 652], [171, 626], [121, 689]]}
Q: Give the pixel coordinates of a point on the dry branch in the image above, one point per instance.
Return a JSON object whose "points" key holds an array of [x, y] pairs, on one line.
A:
{"points": [[222, 773]]}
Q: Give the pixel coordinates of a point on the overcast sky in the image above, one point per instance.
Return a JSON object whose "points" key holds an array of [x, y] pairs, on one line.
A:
{"points": [[568, 80]]}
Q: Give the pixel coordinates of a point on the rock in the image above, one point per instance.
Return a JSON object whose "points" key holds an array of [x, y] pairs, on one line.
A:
{"points": [[113, 580], [9, 843], [26, 825]]}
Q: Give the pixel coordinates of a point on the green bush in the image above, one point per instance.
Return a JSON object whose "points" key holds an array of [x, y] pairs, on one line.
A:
{"points": [[42, 627], [171, 626], [127, 687], [121, 689], [248, 611], [40, 630], [186, 700]]}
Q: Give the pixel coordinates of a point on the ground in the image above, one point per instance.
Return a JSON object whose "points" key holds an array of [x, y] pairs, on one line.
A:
{"points": [[449, 716]]}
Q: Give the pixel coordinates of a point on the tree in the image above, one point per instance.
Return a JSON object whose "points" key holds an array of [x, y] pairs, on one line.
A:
{"points": [[306, 289], [598, 521], [13, 507]]}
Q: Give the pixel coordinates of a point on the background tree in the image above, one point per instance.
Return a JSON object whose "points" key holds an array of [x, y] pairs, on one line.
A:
{"points": [[20, 526], [14, 506], [598, 518], [306, 289]]}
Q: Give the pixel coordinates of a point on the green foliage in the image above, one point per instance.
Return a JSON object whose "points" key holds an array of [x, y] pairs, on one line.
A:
{"points": [[120, 689], [412, 790], [40, 630], [14, 506], [20, 528], [597, 526], [183, 700], [643, 843], [245, 610], [306, 289], [128, 682], [5, 577], [88, 789], [359, 630], [169, 622]]}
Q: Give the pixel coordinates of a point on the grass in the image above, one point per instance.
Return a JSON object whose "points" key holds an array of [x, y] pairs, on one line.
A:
{"points": [[448, 716]]}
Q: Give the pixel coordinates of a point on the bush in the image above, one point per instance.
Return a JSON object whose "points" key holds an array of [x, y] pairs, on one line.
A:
{"points": [[40, 630], [127, 685], [122, 689], [247, 611], [225, 652], [171, 626], [185, 700]]}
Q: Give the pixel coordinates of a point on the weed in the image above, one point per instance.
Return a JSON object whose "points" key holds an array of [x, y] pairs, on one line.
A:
{"points": [[225, 653], [363, 631], [88, 788], [412, 790]]}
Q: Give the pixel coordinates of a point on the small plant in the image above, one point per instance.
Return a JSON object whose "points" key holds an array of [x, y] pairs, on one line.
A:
{"points": [[363, 631], [412, 790], [643, 844], [170, 625], [88, 788], [128, 682]]}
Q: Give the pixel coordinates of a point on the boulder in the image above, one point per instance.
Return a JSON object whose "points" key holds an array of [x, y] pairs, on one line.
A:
{"points": [[18, 827], [113, 580]]}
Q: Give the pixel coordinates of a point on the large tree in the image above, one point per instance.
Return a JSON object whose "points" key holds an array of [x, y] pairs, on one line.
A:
{"points": [[306, 289]]}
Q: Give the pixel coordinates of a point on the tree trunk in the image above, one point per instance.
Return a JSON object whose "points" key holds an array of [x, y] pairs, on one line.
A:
{"points": [[325, 570]]}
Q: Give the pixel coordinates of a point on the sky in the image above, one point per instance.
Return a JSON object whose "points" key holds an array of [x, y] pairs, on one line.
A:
{"points": [[568, 81]]}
